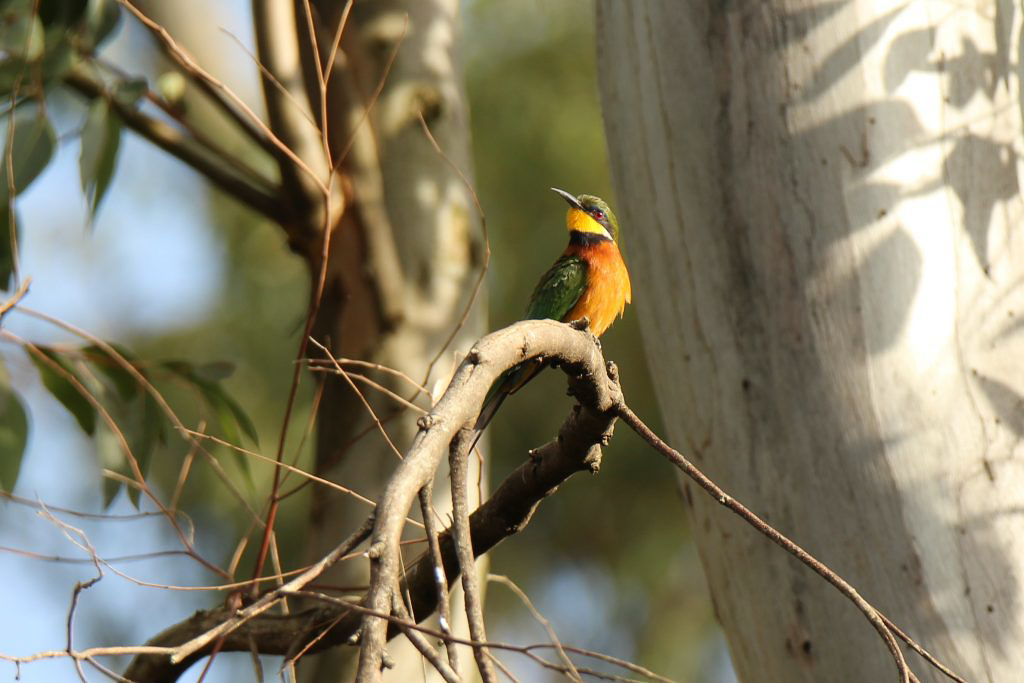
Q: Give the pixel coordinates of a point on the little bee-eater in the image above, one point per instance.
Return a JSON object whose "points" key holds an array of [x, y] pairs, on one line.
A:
{"points": [[589, 280]]}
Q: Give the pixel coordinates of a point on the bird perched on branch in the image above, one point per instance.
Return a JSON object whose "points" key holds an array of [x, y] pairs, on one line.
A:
{"points": [[589, 280]]}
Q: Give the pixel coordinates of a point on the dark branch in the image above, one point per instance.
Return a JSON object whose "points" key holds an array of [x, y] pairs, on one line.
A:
{"points": [[255, 193], [508, 510]]}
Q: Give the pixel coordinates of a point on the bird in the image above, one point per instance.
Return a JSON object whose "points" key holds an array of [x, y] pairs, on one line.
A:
{"points": [[589, 280]]}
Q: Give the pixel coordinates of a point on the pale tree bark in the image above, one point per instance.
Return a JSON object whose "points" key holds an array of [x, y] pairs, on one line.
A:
{"points": [[406, 247], [820, 203], [404, 260]]}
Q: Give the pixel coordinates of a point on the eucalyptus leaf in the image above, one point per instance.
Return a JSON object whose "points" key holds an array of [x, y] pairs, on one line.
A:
{"points": [[13, 71], [102, 17], [59, 384], [231, 417], [101, 140], [34, 142], [22, 35], [6, 245], [111, 456], [13, 436], [129, 92], [124, 381]]}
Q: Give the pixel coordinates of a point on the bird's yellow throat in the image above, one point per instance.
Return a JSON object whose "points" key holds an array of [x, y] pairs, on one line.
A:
{"points": [[581, 221]]}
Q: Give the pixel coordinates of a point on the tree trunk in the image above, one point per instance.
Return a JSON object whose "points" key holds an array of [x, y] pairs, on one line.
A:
{"points": [[403, 263], [819, 201]]}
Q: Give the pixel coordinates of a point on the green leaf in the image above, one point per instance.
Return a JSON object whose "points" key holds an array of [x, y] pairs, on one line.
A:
{"points": [[111, 487], [143, 429], [13, 70], [57, 61], [22, 35], [13, 436], [125, 383], [101, 19], [230, 415], [142, 425], [6, 253], [34, 143], [101, 139], [215, 371], [61, 13], [222, 403], [111, 456], [60, 385], [221, 399], [131, 91]]}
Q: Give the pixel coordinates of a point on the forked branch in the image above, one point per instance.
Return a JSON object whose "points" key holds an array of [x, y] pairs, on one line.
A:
{"points": [[372, 622]]}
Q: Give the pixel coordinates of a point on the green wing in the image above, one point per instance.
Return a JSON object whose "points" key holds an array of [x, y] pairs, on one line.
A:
{"points": [[557, 292], [559, 289]]}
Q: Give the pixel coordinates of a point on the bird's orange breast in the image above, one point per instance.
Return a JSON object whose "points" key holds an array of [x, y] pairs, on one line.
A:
{"points": [[608, 288]]}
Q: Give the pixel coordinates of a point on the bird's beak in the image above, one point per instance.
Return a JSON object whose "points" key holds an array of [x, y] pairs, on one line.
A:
{"points": [[569, 198]]}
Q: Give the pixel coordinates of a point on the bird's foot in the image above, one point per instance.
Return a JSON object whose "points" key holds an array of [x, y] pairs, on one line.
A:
{"points": [[534, 457], [581, 324]]}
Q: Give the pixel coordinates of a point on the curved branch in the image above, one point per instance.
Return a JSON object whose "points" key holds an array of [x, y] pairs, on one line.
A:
{"points": [[509, 509]]}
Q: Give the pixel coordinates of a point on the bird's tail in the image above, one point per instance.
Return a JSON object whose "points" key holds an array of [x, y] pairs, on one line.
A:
{"points": [[510, 382]]}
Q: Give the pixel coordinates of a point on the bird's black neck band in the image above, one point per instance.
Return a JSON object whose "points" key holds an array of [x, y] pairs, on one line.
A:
{"points": [[586, 239]]}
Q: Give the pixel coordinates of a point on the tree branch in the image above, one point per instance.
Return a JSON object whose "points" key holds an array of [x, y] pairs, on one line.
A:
{"points": [[278, 47], [230, 104], [879, 621], [256, 193], [508, 510]]}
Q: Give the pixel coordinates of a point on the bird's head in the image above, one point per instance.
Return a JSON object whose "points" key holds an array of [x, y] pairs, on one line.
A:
{"points": [[590, 216]]}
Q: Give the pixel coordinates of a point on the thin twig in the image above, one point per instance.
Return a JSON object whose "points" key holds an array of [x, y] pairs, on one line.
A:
{"points": [[458, 463], [873, 616], [362, 399], [122, 440], [271, 598], [448, 673], [486, 242], [508, 583], [441, 581], [229, 102], [18, 295]]}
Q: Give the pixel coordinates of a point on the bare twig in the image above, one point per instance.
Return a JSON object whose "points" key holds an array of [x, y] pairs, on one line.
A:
{"points": [[454, 412], [441, 581], [458, 466], [270, 599], [277, 44], [18, 295], [122, 440], [506, 512], [578, 448], [478, 285], [874, 617], [555, 642], [231, 104], [448, 673]]}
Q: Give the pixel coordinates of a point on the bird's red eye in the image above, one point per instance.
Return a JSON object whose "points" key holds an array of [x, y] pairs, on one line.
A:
{"points": [[598, 214]]}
